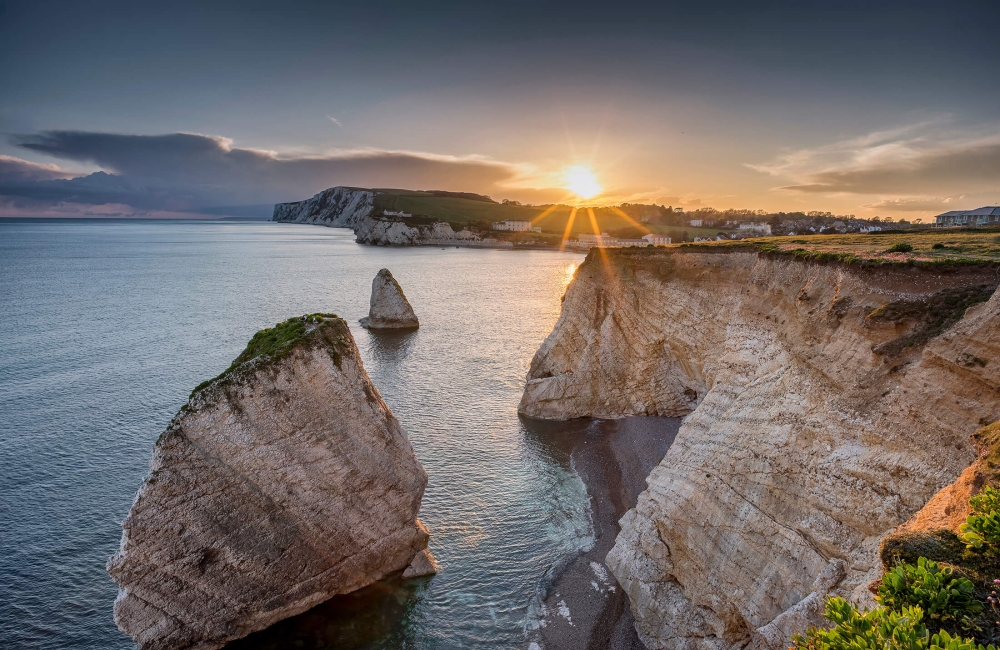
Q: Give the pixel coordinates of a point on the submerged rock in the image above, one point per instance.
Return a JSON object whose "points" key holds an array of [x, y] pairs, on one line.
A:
{"points": [[283, 482], [389, 308]]}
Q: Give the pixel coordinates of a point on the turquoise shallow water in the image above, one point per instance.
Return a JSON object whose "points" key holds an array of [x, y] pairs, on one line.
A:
{"points": [[107, 327]]}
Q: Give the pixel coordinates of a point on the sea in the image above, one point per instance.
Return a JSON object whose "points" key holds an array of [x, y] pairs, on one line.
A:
{"points": [[106, 327]]}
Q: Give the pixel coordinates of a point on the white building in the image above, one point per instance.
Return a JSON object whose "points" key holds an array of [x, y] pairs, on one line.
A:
{"points": [[588, 238], [586, 241], [980, 217], [695, 223], [513, 226], [392, 213]]}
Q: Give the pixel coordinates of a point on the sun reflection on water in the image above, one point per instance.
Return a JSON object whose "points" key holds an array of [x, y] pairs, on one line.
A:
{"points": [[570, 272]]}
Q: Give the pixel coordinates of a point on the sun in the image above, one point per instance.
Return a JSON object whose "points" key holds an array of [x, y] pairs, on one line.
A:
{"points": [[579, 180]]}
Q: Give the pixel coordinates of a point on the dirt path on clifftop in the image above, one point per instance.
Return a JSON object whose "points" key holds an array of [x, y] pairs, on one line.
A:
{"points": [[586, 608]]}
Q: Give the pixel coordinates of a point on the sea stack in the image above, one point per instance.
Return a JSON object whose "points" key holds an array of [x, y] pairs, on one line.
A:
{"points": [[282, 482], [389, 308]]}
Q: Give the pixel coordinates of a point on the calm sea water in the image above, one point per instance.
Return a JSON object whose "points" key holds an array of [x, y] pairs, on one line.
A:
{"points": [[108, 325]]}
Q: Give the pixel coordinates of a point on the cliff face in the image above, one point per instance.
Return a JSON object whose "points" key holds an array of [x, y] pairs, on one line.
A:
{"points": [[283, 482], [824, 408], [386, 232], [338, 206], [348, 207]]}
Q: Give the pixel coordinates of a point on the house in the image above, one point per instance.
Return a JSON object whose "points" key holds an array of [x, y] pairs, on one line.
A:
{"points": [[755, 228], [513, 226], [656, 240], [979, 217], [586, 241], [593, 239], [695, 223]]}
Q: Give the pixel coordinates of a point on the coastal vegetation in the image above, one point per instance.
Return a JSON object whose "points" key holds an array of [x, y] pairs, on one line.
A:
{"points": [[479, 212], [275, 342], [945, 247], [940, 587]]}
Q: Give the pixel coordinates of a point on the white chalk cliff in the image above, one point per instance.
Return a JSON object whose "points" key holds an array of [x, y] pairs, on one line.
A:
{"points": [[340, 207], [825, 405], [283, 482], [388, 306], [350, 207]]}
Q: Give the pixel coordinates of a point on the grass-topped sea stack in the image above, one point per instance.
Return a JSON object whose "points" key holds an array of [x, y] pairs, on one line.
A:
{"points": [[284, 481]]}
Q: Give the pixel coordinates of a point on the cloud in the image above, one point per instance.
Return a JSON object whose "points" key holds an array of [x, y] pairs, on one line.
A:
{"points": [[334, 120], [965, 168], [15, 170], [909, 204], [920, 160], [191, 172]]}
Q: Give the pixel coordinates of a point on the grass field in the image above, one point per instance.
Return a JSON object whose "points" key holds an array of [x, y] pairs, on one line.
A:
{"points": [[945, 246], [457, 210]]}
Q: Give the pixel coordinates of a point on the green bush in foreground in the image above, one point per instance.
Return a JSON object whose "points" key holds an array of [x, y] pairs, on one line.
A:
{"points": [[901, 247], [981, 530], [879, 629], [947, 601]]}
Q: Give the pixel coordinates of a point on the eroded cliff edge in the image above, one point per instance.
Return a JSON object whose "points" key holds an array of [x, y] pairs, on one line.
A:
{"points": [[825, 404], [283, 482]]}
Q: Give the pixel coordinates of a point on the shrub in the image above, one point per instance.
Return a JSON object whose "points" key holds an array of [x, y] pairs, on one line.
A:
{"points": [[981, 530], [878, 629], [938, 246], [901, 247], [948, 601]]}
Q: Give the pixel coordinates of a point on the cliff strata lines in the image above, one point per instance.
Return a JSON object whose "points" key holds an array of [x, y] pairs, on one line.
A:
{"points": [[284, 481], [825, 405]]}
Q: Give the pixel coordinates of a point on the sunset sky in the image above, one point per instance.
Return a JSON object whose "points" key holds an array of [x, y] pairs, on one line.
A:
{"points": [[893, 111]]}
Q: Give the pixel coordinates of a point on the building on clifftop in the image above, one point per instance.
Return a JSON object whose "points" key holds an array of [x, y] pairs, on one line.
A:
{"points": [[979, 217]]}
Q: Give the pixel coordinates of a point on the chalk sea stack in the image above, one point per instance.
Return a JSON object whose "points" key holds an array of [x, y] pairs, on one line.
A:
{"points": [[282, 482], [389, 308]]}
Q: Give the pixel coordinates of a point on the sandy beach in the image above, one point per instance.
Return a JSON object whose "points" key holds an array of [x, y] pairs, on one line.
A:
{"points": [[585, 607]]}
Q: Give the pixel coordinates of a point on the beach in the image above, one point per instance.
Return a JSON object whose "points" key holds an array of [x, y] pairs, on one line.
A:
{"points": [[584, 607]]}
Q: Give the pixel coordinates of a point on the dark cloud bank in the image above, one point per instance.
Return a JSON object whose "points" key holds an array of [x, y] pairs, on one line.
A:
{"points": [[191, 173]]}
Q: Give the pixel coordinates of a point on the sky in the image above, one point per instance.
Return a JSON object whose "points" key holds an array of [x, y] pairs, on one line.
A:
{"points": [[175, 109]]}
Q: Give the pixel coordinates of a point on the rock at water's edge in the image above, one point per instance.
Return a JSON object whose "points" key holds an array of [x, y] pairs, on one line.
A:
{"points": [[283, 482], [389, 308], [423, 564]]}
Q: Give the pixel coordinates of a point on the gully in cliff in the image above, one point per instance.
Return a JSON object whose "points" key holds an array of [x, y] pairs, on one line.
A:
{"points": [[284, 481], [389, 308], [824, 403]]}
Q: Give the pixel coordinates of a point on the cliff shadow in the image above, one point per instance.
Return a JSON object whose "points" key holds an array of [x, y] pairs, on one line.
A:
{"points": [[376, 616]]}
